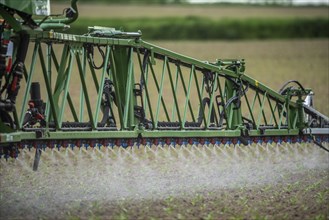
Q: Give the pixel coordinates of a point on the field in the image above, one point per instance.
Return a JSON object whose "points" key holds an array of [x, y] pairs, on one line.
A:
{"points": [[207, 22], [272, 62], [193, 182], [217, 12], [260, 181]]}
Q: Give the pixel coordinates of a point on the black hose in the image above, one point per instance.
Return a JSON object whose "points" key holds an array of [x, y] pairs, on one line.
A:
{"points": [[282, 90], [144, 65], [239, 94], [90, 56], [17, 70], [206, 101], [320, 145], [317, 143]]}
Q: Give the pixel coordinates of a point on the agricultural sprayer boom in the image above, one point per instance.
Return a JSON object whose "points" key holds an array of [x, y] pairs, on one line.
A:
{"points": [[110, 88]]}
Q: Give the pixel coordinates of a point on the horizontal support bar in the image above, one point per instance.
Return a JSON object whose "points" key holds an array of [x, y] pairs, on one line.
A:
{"points": [[274, 132]]}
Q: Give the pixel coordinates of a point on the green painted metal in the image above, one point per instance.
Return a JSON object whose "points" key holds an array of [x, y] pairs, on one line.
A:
{"points": [[187, 93], [28, 84], [128, 106], [53, 109], [174, 94], [10, 19], [98, 88], [233, 112], [145, 83], [40, 7], [160, 93], [201, 107], [66, 83]]}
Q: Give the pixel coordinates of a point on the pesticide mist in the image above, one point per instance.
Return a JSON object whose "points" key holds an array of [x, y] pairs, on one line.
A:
{"points": [[72, 176]]}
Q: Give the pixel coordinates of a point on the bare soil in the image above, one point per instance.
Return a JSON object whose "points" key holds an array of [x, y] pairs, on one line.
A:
{"points": [[195, 182]]}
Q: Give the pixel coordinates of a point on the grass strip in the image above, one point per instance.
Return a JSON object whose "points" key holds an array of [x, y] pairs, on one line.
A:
{"points": [[199, 28]]}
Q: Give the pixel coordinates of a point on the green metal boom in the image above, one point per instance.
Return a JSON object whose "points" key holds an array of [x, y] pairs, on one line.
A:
{"points": [[111, 85]]}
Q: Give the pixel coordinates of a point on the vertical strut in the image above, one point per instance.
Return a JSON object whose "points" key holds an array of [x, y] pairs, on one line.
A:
{"points": [[128, 101], [160, 92], [85, 91], [185, 90], [144, 74], [200, 90], [69, 99], [100, 88], [187, 95], [48, 87], [116, 86], [28, 83], [158, 89], [66, 83], [211, 103], [173, 91]]}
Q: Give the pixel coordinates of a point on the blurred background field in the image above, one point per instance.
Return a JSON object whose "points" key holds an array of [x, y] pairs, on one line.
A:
{"points": [[279, 42], [272, 62], [108, 11], [186, 21]]}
